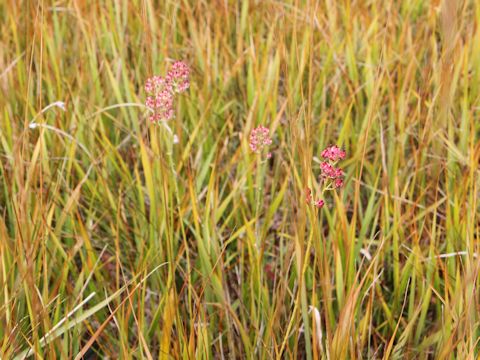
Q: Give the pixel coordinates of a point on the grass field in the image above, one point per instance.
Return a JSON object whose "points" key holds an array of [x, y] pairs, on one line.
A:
{"points": [[117, 242]]}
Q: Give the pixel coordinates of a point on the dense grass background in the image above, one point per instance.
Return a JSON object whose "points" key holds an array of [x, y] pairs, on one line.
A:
{"points": [[110, 249]]}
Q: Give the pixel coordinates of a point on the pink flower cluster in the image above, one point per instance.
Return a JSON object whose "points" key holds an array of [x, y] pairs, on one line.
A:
{"points": [[329, 172], [161, 91], [179, 77], [331, 177], [332, 173], [333, 153], [260, 139]]}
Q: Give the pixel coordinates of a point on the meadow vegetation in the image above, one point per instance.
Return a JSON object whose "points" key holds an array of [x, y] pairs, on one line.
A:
{"points": [[118, 242]]}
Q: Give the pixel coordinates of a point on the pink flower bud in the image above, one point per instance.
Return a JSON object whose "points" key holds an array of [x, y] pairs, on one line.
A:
{"points": [[333, 153]]}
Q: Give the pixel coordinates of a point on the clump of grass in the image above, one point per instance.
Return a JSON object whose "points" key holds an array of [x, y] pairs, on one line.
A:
{"points": [[117, 242]]}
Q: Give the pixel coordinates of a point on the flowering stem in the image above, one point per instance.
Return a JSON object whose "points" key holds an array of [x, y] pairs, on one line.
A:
{"points": [[172, 202], [174, 172], [170, 141], [259, 177], [259, 246]]}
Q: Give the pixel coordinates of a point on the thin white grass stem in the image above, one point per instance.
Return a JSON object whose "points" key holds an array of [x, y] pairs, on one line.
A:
{"points": [[34, 125]]}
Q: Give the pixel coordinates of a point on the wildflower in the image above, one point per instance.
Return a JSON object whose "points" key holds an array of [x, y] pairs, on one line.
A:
{"points": [[161, 104], [156, 84], [179, 77], [328, 170], [333, 153], [331, 176], [259, 139], [161, 91], [338, 183], [333, 173], [160, 99]]}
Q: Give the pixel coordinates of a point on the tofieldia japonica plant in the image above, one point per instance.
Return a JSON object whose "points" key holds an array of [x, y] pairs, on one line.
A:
{"points": [[259, 142], [161, 91], [331, 177]]}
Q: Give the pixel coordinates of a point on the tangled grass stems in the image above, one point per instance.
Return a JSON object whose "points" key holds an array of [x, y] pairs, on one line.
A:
{"points": [[385, 265]]}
